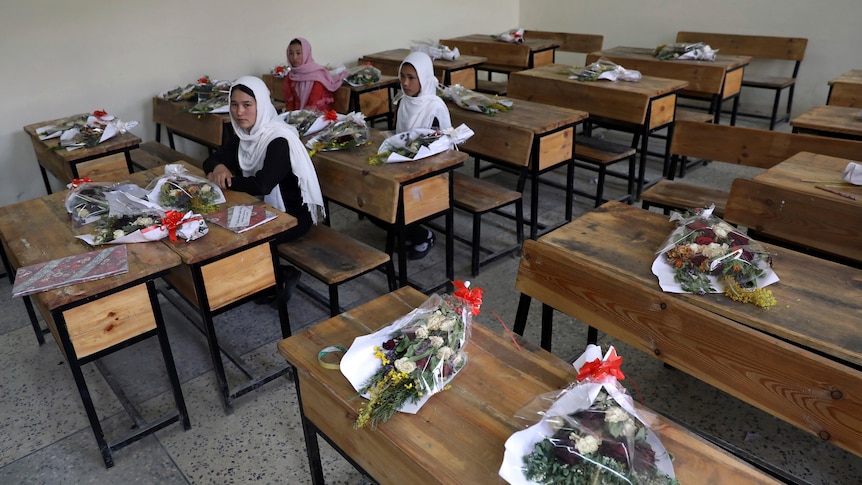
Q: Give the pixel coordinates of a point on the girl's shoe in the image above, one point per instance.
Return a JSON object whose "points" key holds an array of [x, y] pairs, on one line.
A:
{"points": [[420, 250]]}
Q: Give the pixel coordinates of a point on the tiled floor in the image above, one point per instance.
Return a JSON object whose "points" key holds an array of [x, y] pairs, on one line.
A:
{"points": [[45, 436]]}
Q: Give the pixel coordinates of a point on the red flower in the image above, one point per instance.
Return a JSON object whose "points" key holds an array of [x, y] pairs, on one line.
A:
{"points": [[471, 297], [203, 80], [77, 182], [390, 344], [99, 113], [704, 240], [330, 115], [697, 225], [279, 70]]}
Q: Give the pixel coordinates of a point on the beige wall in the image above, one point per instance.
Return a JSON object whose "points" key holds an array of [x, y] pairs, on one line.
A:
{"points": [[58, 57]]}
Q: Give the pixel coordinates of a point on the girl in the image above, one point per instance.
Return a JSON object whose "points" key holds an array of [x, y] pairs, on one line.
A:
{"points": [[308, 85], [265, 158], [420, 107]]}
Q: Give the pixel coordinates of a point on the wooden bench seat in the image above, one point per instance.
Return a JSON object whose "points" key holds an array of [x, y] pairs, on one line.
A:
{"points": [[153, 154], [760, 47], [334, 258], [478, 197], [498, 88], [597, 154], [735, 145]]}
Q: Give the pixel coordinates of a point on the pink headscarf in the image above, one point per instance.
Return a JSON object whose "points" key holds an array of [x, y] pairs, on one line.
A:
{"points": [[309, 71]]}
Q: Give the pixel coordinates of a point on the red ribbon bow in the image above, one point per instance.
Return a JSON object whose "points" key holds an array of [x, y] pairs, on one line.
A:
{"points": [[472, 297], [173, 220], [279, 70], [99, 113], [77, 182], [330, 115], [597, 369], [203, 80]]}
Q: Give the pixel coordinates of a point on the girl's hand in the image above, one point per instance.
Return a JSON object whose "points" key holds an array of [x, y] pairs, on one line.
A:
{"points": [[221, 176]]}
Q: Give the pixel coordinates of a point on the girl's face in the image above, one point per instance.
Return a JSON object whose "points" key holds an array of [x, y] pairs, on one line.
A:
{"points": [[243, 109], [409, 80], [294, 55]]}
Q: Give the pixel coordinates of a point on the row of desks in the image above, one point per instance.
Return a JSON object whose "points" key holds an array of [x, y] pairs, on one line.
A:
{"points": [[89, 320]]}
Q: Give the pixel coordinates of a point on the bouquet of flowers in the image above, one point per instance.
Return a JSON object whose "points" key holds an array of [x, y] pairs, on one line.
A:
{"points": [[86, 201], [363, 75], [696, 51], [280, 71], [348, 132], [513, 36], [604, 69], [86, 130], [419, 143], [435, 50], [474, 101], [309, 122], [591, 433], [180, 190], [704, 255], [399, 367], [147, 227]]}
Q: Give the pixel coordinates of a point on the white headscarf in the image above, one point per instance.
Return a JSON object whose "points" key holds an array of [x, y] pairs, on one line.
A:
{"points": [[253, 145], [419, 111]]}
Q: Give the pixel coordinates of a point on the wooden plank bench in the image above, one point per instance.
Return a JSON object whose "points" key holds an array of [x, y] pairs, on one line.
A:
{"points": [[596, 154], [760, 47], [153, 154], [735, 145], [478, 197], [334, 258]]}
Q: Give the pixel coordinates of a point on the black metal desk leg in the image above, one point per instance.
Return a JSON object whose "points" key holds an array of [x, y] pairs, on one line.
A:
{"points": [[521, 315], [547, 326]]}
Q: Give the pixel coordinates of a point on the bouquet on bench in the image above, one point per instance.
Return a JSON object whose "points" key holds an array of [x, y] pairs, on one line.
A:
{"points": [[588, 433], [180, 190], [604, 69], [704, 255], [85, 130], [399, 367], [349, 131], [473, 101], [435, 50], [419, 143], [363, 75], [697, 51], [308, 121], [513, 36]]}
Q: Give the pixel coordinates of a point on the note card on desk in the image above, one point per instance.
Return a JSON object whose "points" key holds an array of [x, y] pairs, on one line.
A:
{"points": [[240, 218], [70, 270]]}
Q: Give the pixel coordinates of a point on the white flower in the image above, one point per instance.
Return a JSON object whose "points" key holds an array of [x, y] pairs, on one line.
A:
{"points": [[435, 320], [404, 365], [436, 341], [459, 357], [422, 332], [720, 231], [119, 233], [443, 353], [144, 221], [587, 444], [206, 188], [616, 415], [555, 423], [448, 325], [714, 250], [83, 212]]}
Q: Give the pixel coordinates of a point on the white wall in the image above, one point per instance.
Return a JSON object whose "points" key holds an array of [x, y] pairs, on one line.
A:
{"points": [[831, 27], [59, 57]]}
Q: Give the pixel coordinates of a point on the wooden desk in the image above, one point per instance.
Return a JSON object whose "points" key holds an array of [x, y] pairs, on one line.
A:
{"points": [[223, 270], [459, 71], [210, 130], [374, 100], [829, 120], [399, 194], [532, 138], [502, 56], [478, 411], [93, 319], [101, 162], [784, 203], [718, 81], [800, 360], [637, 107], [846, 90]]}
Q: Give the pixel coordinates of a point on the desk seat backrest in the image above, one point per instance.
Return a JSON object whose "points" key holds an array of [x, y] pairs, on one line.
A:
{"points": [[570, 42], [751, 146], [756, 46]]}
